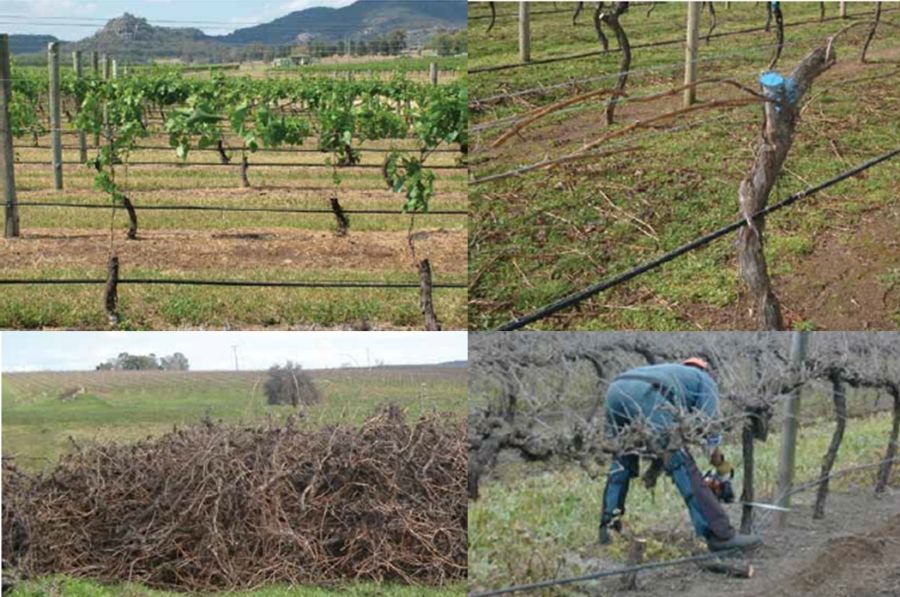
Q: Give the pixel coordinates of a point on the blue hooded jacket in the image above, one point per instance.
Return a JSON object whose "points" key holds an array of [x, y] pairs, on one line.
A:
{"points": [[648, 394]]}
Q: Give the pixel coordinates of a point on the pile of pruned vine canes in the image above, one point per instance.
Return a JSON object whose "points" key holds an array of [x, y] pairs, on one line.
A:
{"points": [[215, 507]]}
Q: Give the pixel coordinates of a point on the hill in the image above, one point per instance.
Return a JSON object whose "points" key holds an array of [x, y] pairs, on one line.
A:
{"points": [[134, 39], [362, 19], [27, 44], [130, 38]]}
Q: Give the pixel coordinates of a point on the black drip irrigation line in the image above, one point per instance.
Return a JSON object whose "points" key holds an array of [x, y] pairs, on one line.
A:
{"points": [[234, 165], [577, 297], [300, 210], [604, 573], [192, 282], [655, 44]]}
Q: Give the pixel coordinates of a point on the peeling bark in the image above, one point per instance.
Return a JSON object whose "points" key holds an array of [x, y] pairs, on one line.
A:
{"points": [[780, 119], [432, 324], [839, 395]]}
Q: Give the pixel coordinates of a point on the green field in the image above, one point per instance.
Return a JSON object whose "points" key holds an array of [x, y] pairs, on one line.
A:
{"points": [[127, 406], [546, 233]]}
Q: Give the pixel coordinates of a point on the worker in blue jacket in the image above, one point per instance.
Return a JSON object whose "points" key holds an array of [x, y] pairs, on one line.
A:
{"points": [[654, 397]]}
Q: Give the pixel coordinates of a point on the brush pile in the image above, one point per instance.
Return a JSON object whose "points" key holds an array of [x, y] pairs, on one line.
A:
{"points": [[215, 507]]}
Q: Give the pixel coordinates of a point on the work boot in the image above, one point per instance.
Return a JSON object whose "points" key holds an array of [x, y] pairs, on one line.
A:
{"points": [[604, 538], [742, 542]]}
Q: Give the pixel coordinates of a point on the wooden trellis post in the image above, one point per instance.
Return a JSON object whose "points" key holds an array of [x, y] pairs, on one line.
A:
{"points": [[82, 138], [55, 125], [7, 170], [95, 68], [843, 9], [524, 32], [690, 52], [789, 431], [433, 73]]}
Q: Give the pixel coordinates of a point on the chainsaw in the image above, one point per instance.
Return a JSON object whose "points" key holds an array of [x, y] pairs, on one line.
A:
{"points": [[719, 479]]}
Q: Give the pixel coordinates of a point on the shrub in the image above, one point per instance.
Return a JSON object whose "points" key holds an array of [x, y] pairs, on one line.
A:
{"points": [[289, 384]]}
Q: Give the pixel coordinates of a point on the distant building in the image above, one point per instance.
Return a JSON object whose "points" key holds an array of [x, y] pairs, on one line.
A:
{"points": [[293, 60]]}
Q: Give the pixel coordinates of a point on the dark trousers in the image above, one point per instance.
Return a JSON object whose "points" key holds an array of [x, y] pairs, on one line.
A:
{"points": [[708, 517]]}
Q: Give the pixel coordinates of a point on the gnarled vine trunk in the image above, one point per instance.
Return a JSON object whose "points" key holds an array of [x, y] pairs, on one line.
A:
{"points": [[884, 472], [780, 119], [840, 414], [612, 19]]}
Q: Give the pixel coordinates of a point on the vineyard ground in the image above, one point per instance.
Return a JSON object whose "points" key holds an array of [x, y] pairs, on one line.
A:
{"points": [[833, 257], [535, 521], [73, 242], [127, 406]]}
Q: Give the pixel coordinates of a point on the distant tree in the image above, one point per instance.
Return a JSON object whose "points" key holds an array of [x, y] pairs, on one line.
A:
{"points": [[289, 384], [136, 362], [176, 362], [396, 41]]}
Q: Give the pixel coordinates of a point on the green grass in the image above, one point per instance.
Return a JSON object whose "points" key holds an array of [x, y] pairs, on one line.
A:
{"points": [[163, 306], [524, 524], [552, 232], [61, 586], [127, 406]]}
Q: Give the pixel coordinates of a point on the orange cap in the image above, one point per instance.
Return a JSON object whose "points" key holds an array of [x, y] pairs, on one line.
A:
{"points": [[696, 362]]}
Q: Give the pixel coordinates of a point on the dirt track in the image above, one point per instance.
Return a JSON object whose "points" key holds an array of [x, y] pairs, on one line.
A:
{"points": [[854, 551]]}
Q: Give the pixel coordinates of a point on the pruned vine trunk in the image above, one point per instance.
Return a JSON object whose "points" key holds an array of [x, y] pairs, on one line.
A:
{"points": [[245, 182], [111, 292], [432, 324], [840, 414], [862, 56], [884, 471], [747, 492], [779, 34], [493, 16], [780, 118], [601, 37], [579, 6], [712, 21], [612, 19], [223, 157], [342, 222], [132, 218]]}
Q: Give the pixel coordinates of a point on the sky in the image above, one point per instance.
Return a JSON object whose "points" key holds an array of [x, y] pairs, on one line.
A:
{"points": [[71, 20], [74, 351]]}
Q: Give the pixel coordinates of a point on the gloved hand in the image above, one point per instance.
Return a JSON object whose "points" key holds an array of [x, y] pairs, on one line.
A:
{"points": [[723, 467]]}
